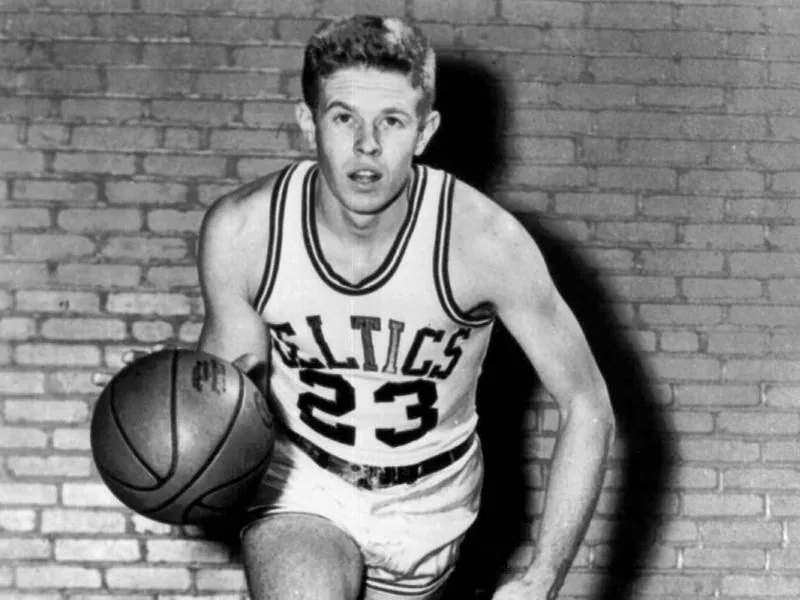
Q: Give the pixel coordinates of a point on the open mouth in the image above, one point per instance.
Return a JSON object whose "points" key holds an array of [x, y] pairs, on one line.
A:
{"points": [[365, 176]]}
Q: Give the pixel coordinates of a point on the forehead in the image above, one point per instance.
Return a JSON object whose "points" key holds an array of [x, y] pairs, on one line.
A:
{"points": [[369, 88]]}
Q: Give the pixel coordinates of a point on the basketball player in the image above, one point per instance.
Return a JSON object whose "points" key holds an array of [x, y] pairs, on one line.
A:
{"points": [[370, 284]]}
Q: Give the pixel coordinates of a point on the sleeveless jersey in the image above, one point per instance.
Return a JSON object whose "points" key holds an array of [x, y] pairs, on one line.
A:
{"points": [[384, 371]]}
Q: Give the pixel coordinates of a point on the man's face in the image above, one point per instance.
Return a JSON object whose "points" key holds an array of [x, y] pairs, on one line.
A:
{"points": [[367, 129]]}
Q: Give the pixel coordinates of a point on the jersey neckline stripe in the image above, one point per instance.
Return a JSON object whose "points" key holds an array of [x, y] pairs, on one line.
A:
{"points": [[394, 257]]}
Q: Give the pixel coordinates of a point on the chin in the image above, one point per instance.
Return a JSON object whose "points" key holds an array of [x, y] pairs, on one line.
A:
{"points": [[368, 208], [367, 203]]}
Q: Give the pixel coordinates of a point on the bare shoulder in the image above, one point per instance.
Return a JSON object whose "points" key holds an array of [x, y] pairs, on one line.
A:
{"points": [[236, 209], [489, 249], [476, 216], [234, 235]]}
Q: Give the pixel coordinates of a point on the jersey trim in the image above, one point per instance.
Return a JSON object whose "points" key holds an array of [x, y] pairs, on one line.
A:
{"points": [[441, 256], [276, 212], [392, 261]]}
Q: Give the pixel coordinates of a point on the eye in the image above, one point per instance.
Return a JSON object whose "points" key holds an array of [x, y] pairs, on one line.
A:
{"points": [[393, 122], [342, 118]]}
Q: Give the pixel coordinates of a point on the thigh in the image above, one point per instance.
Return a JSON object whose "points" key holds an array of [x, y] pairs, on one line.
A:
{"points": [[302, 557]]}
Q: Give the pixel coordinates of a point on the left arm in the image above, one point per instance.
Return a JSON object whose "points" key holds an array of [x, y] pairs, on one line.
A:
{"points": [[549, 334], [518, 284], [568, 371]]}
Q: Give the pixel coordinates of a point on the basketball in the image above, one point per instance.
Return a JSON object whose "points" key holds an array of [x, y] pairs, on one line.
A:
{"points": [[181, 437]]}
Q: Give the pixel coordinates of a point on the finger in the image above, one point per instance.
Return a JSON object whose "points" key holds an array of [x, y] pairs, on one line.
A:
{"points": [[247, 362], [255, 368], [101, 379]]}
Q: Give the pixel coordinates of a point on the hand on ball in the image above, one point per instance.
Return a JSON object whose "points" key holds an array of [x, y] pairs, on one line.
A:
{"points": [[256, 369]]}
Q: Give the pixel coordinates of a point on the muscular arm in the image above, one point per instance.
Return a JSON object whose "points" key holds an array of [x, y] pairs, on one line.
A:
{"points": [[518, 284], [547, 330], [227, 257]]}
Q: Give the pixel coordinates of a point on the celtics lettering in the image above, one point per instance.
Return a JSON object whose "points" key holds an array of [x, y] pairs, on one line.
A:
{"points": [[387, 359]]}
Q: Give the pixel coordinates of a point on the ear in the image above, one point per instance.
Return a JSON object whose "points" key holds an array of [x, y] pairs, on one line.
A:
{"points": [[305, 119], [432, 121]]}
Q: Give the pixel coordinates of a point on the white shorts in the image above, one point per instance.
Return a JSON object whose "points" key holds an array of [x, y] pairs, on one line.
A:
{"points": [[409, 534]]}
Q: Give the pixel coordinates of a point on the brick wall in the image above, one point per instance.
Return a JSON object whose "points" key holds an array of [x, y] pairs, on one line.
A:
{"points": [[654, 146]]}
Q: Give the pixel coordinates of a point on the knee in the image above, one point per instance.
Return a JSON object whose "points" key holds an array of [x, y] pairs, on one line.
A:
{"points": [[301, 558]]}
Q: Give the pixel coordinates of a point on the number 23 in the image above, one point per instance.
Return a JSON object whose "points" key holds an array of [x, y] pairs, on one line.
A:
{"points": [[344, 401]]}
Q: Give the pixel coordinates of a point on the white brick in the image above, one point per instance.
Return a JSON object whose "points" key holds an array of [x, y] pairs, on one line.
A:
{"points": [[22, 437], [27, 493], [57, 577], [190, 332], [57, 354], [147, 304], [221, 579], [22, 548], [21, 382], [18, 520], [152, 331], [71, 439], [187, 551], [152, 578], [97, 550], [57, 301], [82, 521], [84, 329], [88, 495], [17, 328], [50, 466], [46, 411]]}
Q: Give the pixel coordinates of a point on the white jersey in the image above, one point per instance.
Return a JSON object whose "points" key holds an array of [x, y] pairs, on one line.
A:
{"points": [[381, 372]]}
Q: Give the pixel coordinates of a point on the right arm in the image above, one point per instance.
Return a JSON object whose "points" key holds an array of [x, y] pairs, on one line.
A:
{"points": [[230, 259], [229, 266]]}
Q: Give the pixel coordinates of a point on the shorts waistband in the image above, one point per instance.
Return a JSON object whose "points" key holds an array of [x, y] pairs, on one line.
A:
{"points": [[370, 477]]}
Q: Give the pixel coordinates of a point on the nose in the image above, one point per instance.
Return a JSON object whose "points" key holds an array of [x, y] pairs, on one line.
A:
{"points": [[367, 141]]}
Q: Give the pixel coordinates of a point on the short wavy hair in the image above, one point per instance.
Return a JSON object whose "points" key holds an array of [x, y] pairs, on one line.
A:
{"points": [[384, 43]]}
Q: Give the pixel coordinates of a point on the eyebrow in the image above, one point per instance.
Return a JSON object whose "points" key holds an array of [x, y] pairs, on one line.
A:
{"points": [[342, 104], [338, 104]]}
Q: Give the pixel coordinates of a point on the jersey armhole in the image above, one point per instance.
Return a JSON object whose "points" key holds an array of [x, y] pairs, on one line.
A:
{"points": [[441, 257], [276, 212]]}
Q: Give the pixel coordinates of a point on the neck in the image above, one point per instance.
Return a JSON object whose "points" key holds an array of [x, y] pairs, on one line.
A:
{"points": [[361, 228]]}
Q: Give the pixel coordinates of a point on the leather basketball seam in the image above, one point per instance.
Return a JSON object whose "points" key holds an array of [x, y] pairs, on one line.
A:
{"points": [[244, 476], [212, 455], [173, 409], [258, 467], [131, 446]]}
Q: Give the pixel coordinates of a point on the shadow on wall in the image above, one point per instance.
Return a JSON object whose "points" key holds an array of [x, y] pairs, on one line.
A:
{"points": [[469, 145]]}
